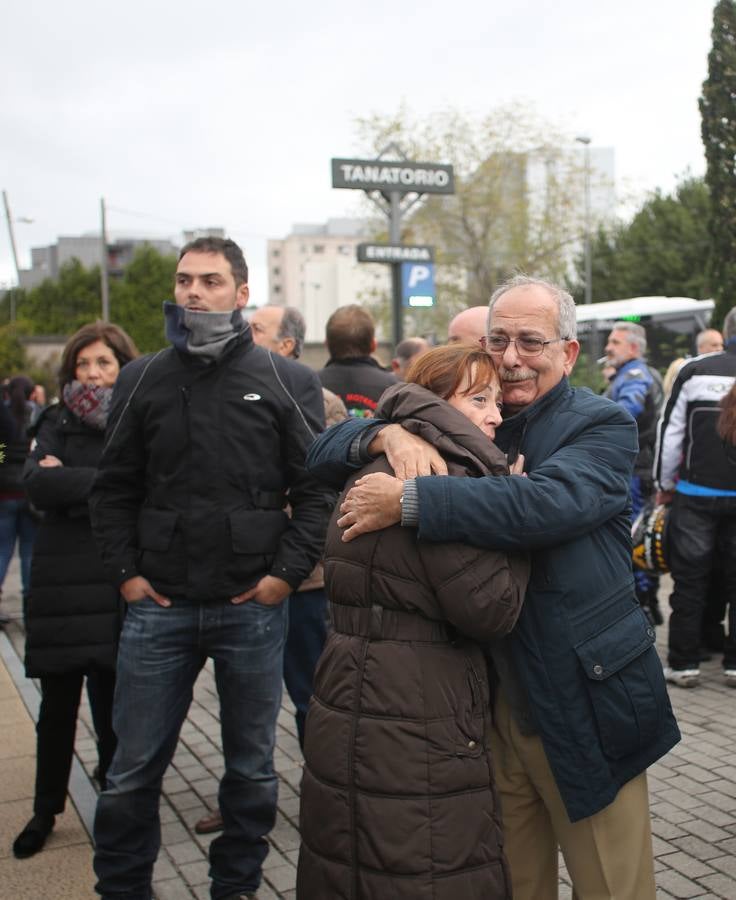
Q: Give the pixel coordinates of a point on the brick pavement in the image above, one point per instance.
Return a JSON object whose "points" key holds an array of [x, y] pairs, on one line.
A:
{"points": [[693, 796]]}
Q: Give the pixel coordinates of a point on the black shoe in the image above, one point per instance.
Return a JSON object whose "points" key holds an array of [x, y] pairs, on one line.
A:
{"points": [[33, 836]]}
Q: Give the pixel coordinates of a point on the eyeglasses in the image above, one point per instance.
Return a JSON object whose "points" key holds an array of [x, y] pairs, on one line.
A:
{"points": [[525, 346]]}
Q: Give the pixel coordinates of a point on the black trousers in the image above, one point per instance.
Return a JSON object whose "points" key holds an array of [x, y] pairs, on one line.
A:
{"points": [[57, 727], [700, 530]]}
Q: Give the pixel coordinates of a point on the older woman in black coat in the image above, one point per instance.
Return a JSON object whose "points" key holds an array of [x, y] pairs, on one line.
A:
{"points": [[74, 614]]}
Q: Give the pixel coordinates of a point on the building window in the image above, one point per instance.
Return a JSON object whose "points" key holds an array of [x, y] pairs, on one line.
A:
{"points": [[318, 248], [345, 249], [276, 270], [276, 289]]}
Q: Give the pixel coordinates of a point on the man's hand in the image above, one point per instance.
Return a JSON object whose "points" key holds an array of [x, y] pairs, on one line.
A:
{"points": [[408, 455], [270, 591], [138, 588], [372, 503], [665, 497], [50, 462]]}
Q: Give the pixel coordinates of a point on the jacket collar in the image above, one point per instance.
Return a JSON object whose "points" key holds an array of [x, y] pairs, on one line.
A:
{"points": [[354, 361]]}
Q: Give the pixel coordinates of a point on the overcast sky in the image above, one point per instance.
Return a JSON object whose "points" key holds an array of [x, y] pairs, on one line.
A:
{"points": [[226, 114]]}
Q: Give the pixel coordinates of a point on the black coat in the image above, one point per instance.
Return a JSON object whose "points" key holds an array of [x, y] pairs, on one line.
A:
{"points": [[358, 381], [74, 613], [192, 486]]}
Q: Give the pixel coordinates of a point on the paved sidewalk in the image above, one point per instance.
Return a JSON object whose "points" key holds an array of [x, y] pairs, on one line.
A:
{"points": [[693, 796]]}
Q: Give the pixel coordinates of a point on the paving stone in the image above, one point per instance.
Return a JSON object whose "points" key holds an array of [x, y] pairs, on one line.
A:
{"points": [[282, 878], [173, 890], [677, 885], [196, 872]]}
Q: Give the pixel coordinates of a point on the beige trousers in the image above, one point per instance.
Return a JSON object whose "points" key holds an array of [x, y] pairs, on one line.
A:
{"points": [[608, 855]]}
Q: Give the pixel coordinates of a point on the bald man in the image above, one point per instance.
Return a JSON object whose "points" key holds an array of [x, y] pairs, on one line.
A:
{"points": [[709, 341], [469, 325]]}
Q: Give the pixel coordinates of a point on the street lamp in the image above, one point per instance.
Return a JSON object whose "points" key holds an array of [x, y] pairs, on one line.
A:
{"points": [[585, 140]]}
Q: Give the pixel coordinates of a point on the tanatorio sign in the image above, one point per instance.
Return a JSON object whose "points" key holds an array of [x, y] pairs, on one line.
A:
{"points": [[393, 177]]}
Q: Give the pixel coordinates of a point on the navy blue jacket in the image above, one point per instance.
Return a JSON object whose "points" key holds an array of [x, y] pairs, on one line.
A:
{"points": [[582, 645]]}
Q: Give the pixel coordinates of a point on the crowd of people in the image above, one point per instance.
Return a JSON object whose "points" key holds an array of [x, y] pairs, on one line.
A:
{"points": [[434, 557]]}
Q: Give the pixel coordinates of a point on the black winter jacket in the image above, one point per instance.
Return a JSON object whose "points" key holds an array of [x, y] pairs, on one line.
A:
{"points": [[358, 381], [193, 482], [74, 614]]}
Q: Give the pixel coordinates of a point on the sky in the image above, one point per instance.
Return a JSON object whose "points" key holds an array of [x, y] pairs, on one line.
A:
{"points": [[186, 115]]}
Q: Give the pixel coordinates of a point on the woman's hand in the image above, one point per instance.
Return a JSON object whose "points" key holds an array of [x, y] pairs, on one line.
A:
{"points": [[49, 462], [371, 504], [518, 467], [407, 454]]}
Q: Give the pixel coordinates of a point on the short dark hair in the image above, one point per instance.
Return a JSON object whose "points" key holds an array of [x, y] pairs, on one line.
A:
{"points": [[229, 249], [111, 335], [350, 332], [293, 326]]}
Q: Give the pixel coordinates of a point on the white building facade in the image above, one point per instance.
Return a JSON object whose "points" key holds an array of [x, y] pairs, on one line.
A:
{"points": [[315, 269]]}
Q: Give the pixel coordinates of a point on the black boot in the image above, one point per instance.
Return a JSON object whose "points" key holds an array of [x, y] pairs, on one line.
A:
{"points": [[33, 836]]}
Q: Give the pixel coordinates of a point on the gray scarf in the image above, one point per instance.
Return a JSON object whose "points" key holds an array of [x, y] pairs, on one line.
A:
{"points": [[204, 334]]}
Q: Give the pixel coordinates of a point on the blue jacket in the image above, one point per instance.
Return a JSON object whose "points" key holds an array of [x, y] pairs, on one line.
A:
{"points": [[582, 646], [638, 388]]}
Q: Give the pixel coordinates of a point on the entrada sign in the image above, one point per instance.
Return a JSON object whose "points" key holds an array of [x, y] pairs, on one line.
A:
{"points": [[392, 176], [395, 253]]}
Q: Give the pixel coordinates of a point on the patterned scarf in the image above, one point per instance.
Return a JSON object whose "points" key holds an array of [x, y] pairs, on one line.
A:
{"points": [[89, 402]]}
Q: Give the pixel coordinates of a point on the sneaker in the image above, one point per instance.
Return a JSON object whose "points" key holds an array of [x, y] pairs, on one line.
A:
{"points": [[682, 677], [730, 676]]}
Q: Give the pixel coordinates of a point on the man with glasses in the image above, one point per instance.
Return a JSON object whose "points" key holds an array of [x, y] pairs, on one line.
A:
{"points": [[581, 708]]}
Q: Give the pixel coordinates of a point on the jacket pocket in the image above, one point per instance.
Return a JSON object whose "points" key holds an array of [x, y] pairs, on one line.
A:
{"points": [[625, 684], [257, 530], [156, 529]]}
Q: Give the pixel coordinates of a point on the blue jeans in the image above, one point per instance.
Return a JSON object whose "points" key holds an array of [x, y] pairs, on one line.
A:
{"points": [[17, 522], [305, 640], [162, 650]]}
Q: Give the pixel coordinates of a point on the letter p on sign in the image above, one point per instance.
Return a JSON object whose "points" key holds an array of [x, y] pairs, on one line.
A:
{"points": [[417, 284]]}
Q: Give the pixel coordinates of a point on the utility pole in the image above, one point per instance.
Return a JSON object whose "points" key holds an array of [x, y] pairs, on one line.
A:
{"points": [[594, 338], [11, 235], [394, 237], [104, 284]]}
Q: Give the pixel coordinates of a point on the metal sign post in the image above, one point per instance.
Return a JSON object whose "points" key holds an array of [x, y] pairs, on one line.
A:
{"points": [[394, 186]]}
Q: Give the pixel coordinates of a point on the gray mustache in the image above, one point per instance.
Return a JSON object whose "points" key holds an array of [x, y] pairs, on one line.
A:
{"points": [[517, 374]]}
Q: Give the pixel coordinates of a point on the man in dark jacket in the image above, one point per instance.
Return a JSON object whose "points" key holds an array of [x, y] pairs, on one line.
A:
{"points": [[351, 372], [694, 473], [638, 388], [582, 709], [205, 439]]}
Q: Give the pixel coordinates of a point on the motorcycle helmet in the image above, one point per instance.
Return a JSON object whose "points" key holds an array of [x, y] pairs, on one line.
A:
{"points": [[649, 539]]}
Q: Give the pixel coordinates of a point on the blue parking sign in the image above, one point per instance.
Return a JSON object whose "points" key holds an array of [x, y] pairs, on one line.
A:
{"points": [[417, 284]]}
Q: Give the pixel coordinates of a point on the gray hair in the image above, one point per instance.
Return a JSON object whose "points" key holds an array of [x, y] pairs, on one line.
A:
{"points": [[567, 327], [293, 326], [729, 325], [637, 334]]}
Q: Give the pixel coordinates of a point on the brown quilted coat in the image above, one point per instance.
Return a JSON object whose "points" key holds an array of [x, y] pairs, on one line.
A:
{"points": [[398, 801]]}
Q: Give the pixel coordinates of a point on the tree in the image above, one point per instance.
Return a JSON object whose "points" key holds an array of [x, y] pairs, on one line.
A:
{"points": [[60, 307], [662, 251], [718, 128], [136, 300], [517, 205]]}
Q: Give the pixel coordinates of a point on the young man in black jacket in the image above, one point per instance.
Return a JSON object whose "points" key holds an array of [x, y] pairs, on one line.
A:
{"points": [[204, 442]]}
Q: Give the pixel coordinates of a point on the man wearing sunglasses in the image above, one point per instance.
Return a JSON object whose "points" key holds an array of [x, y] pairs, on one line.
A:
{"points": [[581, 708]]}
